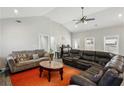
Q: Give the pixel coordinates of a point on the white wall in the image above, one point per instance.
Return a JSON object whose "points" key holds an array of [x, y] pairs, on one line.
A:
{"points": [[99, 37], [0, 39], [25, 36]]}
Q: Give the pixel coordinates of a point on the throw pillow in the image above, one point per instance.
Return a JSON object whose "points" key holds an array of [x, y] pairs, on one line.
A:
{"points": [[26, 57], [22, 57], [35, 56], [18, 58]]}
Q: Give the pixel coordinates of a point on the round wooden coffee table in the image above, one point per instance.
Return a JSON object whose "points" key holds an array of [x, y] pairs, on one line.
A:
{"points": [[53, 66]]}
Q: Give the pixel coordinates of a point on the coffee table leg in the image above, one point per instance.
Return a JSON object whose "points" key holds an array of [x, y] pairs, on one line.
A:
{"points": [[61, 74], [41, 70], [49, 75]]}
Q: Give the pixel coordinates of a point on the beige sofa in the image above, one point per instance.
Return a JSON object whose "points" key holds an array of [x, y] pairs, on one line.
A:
{"points": [[23, 60]]}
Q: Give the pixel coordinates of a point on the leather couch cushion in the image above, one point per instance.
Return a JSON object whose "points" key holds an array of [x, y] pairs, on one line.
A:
{"points": [[91, 72], [103, 54], [66, 55], [74, 55], [118, 65], [68, 58], [91, 63], [81, 80], [86, 75], [110, 78], [89, 58], [74, 51], [118, 57], [101, 61], [84, 61], [90, 53], [94, 70], [98, 76]]}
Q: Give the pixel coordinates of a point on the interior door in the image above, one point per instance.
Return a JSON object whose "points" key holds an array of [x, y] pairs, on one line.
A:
{"points": [[44, 42]]}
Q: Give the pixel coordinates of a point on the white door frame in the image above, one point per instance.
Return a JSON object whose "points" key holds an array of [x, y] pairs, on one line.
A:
{"points": [[41, 35]]}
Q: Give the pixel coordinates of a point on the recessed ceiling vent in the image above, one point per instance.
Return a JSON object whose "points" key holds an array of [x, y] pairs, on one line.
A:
{"points": [[18, 21]]}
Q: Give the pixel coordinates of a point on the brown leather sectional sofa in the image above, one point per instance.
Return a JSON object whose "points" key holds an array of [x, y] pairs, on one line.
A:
{"points": [[98, 68]]}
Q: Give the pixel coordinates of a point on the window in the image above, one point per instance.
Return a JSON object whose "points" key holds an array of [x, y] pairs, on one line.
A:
{"points": [[111, 44], [89, 43]]}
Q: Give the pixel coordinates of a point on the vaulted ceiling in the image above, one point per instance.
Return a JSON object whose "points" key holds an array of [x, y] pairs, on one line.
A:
{"points": [[105, 16]]}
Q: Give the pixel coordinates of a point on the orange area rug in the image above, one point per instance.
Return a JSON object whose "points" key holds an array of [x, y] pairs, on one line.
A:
{"points": [[31, 77]]}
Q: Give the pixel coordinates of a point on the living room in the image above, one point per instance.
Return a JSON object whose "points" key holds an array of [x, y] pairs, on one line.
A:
{"points": [[67, 33]]}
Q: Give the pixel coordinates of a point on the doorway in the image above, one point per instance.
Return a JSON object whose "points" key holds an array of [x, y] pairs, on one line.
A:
{"points": [[44, 42]]}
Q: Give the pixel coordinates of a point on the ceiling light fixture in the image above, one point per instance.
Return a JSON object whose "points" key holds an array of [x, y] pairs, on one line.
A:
{"points": [[119, 15], [16, 11]]}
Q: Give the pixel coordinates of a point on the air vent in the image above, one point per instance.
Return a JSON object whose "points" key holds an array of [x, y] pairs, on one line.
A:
{"points": [[18, 21]]}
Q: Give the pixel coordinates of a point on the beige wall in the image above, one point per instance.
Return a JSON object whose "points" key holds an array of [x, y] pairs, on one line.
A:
{"points": [[25, 36], [99, 37]]}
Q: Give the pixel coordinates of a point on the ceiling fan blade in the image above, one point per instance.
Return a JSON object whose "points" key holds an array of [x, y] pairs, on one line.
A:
{"points": [[78, 22], [89, 19], [75, 20]]}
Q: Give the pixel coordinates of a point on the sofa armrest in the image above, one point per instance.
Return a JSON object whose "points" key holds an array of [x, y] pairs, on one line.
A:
{"points": [[82, 81], [11, 63]]}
